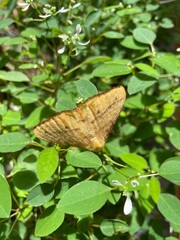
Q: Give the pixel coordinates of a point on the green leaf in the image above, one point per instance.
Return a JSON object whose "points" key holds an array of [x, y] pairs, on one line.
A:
{"points": [[28, 66], [155, 189], [65, 104], [173, 130], [168, 110], [144, 35], [27, 97], [12, 142], [113, 35], [84, 159], [25, 179], [47, 163], [166, 23], [13, 76], [145, 17], [5, 198], [140, 82], [40, 194], [49, 221], [134, 102], [27, 159], [4, 39], [147, 69], [84, 198], [115, 147], [15, 41], [5, 22], [96, 59], [134, 160], [33, 32], [111, 70], [130, 42], [39, 78], [11, 118], [86, 88], [140, 134], [167, 61], [110, 227], [36, 116], [92, 18], [170, 170], [152, 7], [3, 108], [129, 11], [169, 207]]}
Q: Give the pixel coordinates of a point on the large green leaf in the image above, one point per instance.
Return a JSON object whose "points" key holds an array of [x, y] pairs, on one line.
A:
{"points": [[140, 82], [40, 194], [111, 70], [169, 62], [130, 42], [27, 97], [49, 221], [84, 198], [13, 76], [47, 163], [115, 147], [12, 142], [129, 11], [109, 227], [155, 189], [5, 22], [134, 160], [173, 130], [169, 206], [11, 118], [86, 88], [170, 170], [147, 69], [84, 159], [5, 198], [25, 179], [36, 116], [144, 35]]}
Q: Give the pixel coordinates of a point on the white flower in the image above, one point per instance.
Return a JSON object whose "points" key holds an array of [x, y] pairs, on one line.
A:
{"points": [[134, 183], [79, 99], [72, 39], [45, 16], [127, 206], [61, 50], [64, 37], [51, 11], [116, 182], [25, 6], [78, 28], [76, 5], [62, 10], [83, 44]]}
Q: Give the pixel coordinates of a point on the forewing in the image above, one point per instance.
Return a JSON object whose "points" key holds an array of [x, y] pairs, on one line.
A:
{"points": [[106, 108]]}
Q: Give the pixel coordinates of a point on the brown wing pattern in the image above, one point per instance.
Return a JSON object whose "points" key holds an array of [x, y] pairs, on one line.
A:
{"points": [[86, 126]]}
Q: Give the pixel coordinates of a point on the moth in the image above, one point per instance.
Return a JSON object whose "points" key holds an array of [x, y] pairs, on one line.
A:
{"points": [[88, 125]]}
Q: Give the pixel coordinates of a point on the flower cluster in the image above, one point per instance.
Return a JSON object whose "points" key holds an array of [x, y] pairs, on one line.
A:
{"points": [[25, 5], [69, 39], [128, 203], [48, 10]]}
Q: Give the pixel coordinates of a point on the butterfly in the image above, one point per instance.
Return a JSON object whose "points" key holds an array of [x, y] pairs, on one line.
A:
{"points": [[86, 126]]}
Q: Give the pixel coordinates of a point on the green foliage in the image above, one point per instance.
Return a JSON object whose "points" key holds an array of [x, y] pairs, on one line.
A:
{"points": [[55, 54]]}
